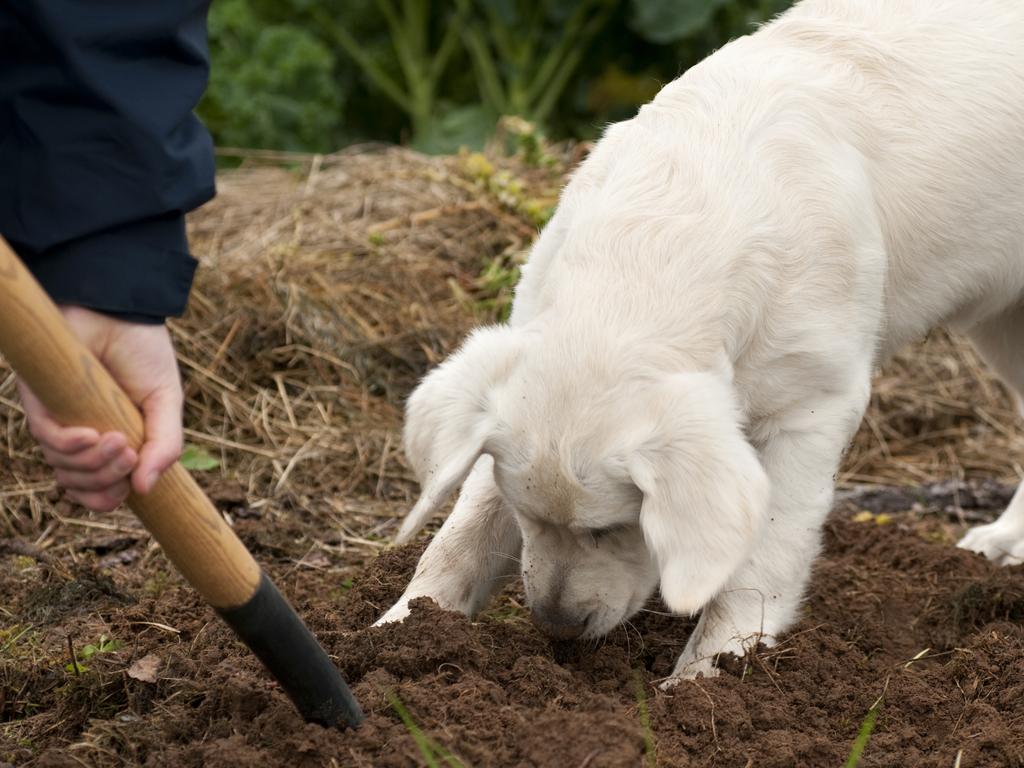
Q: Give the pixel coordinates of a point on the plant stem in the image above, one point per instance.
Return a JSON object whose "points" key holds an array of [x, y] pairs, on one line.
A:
{"points": [[74, 659], [560, 63], [381, 79]]}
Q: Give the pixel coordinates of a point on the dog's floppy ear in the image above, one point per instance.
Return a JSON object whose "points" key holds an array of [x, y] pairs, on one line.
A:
{"points": [[449, 417], [705, 493]]}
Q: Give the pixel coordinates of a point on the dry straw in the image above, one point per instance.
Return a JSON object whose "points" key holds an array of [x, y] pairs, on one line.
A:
{"points": [[329, 284]]}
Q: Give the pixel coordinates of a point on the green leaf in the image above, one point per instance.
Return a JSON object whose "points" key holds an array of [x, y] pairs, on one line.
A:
{"points": [[109, 645], [271, 85], [196, 459], [103, 645], [668, 21], [461, 127]]}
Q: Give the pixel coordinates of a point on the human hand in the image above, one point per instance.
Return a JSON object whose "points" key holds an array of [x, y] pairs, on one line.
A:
{"points": [[98, 470]]}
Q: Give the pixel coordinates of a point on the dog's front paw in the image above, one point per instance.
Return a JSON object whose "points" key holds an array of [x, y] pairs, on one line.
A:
{"points": [[396, 613], [689, 670], [1000, 542]]}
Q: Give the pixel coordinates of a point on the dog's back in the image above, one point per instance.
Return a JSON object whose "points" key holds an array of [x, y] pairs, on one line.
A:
{"points": [[932, 95], [900, 121]]}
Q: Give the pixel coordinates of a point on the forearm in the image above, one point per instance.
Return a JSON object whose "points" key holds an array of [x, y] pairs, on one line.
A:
{"points": [[101, 153]]}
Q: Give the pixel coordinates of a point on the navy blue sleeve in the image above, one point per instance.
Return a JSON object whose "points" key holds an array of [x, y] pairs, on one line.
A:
{"points": [[101, 155]]}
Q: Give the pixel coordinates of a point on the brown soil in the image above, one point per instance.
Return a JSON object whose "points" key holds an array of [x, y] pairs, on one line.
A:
{"points": [[495, 692]]}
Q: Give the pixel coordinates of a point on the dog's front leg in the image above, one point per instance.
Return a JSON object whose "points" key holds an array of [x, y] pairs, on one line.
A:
{"points": [[472, 555], [762, 599]]}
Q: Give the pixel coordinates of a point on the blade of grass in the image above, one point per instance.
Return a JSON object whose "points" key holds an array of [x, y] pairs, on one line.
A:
{"points": [[866, 728], [861, 741], [645, 722], [429, 749]]}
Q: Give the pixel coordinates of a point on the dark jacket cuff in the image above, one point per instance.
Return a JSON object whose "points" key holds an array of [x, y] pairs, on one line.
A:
{"points": [[140, 272]]}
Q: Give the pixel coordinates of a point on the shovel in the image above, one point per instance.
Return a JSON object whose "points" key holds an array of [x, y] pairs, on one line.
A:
{"points": [[77, 390]]}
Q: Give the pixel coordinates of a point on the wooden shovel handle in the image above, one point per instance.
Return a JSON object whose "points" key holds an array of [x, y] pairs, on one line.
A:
{"points": [[77, 390]]}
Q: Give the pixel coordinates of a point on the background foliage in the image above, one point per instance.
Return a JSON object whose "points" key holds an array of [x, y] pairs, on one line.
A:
{"points": [[316, 75]]}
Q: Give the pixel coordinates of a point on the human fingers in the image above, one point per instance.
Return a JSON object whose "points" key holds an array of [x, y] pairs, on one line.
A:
{"points": [[95, 480], [164, 436], [51, 435], [105, 500], [110, 446]]}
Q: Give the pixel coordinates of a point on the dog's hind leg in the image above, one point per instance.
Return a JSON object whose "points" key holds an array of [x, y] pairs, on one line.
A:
{"points": [[1000, 342], [474, 553]]}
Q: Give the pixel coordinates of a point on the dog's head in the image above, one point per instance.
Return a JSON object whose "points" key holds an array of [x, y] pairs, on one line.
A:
{"points": [[619, 477]]}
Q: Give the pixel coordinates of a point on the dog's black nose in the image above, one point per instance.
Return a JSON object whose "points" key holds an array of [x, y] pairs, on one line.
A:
{"points": [[556, 624]]}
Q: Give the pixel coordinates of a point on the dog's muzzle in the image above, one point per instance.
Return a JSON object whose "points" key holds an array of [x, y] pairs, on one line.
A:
{"points": [[557, 624]]}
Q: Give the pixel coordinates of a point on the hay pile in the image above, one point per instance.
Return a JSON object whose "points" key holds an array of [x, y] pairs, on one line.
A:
{"points": [[936, 414], [329, 284]]}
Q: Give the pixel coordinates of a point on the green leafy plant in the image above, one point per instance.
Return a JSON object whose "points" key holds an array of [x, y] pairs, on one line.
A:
{"points": [[496, 284], [103, 645], [272, 85], [525, 52], [506, 188], [670, 21], [667, 21], [439, 74], [421, 61], [194, 459], [525, 139]]}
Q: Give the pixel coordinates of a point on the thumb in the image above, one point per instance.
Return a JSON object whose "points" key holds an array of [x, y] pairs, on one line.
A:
{"points": [[161, 412]]}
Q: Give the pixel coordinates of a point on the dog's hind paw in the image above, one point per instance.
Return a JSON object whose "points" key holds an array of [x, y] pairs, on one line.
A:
{"points": [[1000, 542]]}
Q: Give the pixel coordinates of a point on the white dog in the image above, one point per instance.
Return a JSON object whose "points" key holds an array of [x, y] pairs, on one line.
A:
{"points": [[692, 341]]}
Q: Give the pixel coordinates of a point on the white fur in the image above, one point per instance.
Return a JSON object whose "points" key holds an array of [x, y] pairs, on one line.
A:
{"points": [[692, 341]]}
